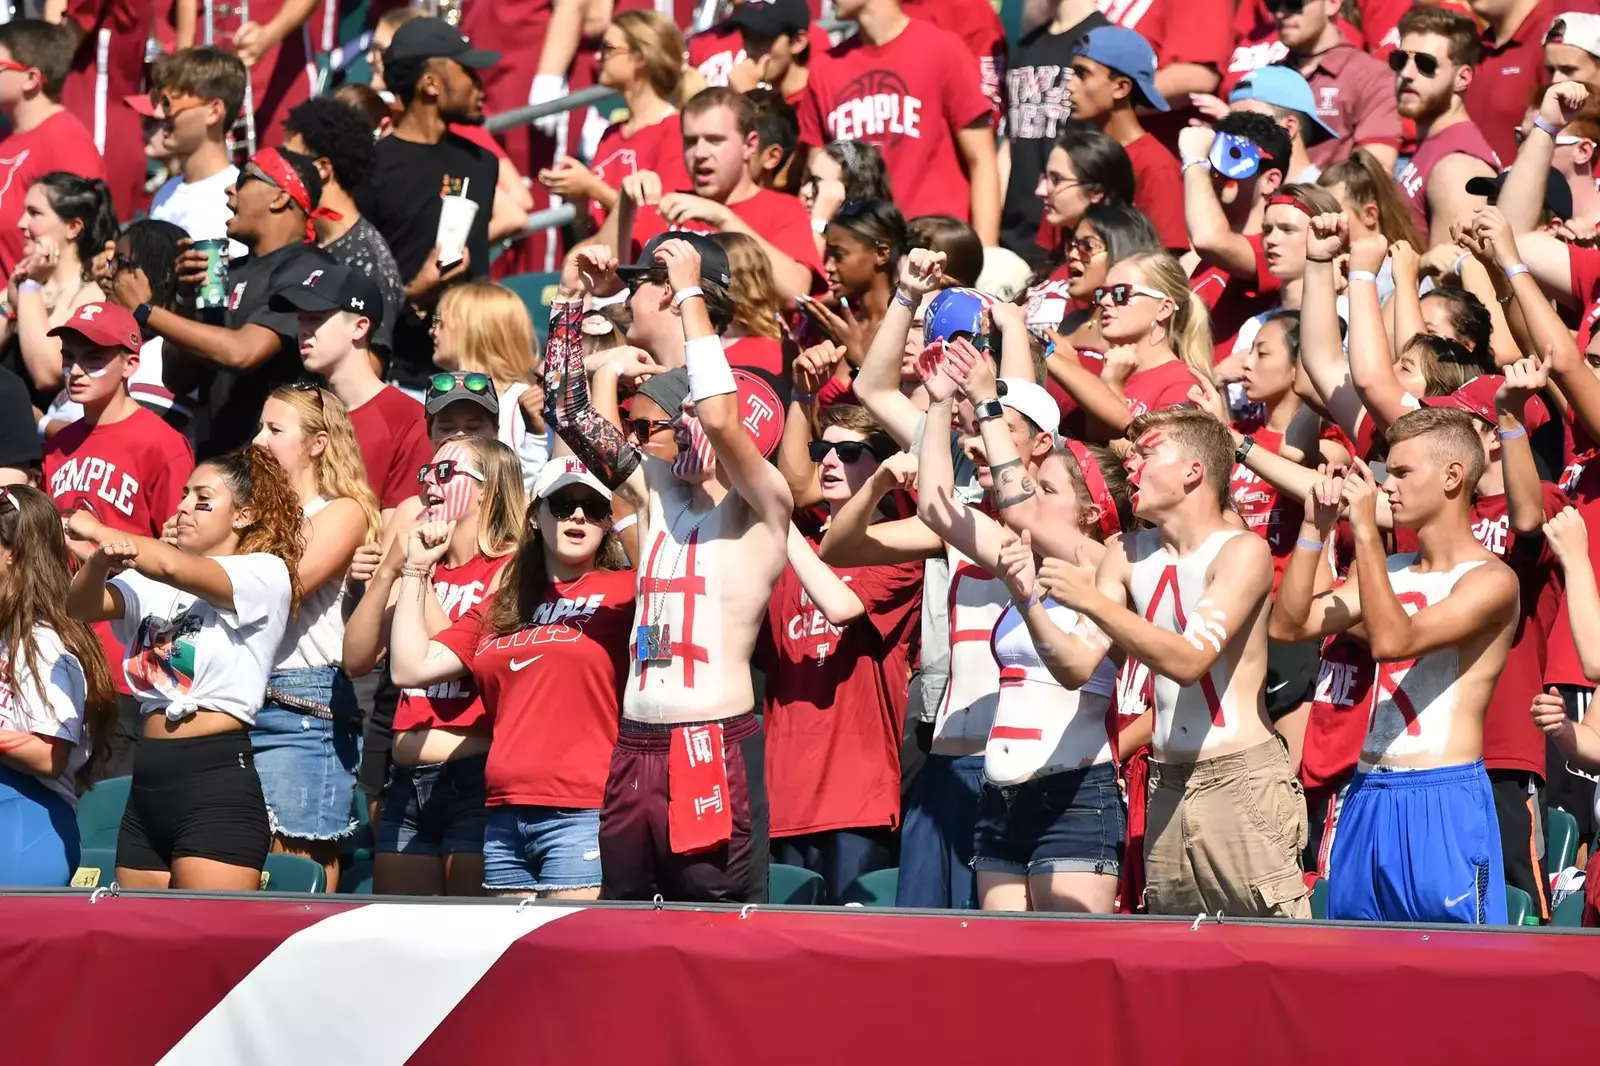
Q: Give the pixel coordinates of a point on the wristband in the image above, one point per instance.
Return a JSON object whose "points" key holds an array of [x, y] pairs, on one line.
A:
{"points": [[1462, 258], [902, 298], [30, 286], [1308, 544], [802, 397], [1033, 599], [1361, 275], [626, 522], [709, 373], [43, 422], [1513, 433], [424, 572], [1551, 128], [1187, 163], [687, 294], [1516, 268]]}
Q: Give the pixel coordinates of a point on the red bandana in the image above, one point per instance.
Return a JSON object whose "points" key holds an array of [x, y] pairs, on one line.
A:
{"points": [[1095, 481], [287, 178]]}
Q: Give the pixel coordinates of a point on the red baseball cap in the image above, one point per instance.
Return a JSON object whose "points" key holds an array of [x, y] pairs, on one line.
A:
{"points": [[1476, 397], [140, 102], [104, 325]]}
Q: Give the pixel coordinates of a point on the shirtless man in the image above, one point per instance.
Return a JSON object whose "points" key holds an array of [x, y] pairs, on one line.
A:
{"points": [[1418, 840], [1189, 600], [685, 812]]}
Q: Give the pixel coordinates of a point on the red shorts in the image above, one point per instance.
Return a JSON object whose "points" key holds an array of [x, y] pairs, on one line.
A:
{"points": [[636, 857]]}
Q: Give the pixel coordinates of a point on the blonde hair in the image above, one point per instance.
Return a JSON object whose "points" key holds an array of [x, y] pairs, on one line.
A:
{"points": [[1189, 329], [341, 473], [504, 509], [493, 332], [655, 39], [755, 293]]}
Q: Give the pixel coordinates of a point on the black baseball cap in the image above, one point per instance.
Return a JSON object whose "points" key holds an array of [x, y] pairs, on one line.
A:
{"points": [[332, 287], [1557, 193], [772, 18], [427, 38], [713, 260]]}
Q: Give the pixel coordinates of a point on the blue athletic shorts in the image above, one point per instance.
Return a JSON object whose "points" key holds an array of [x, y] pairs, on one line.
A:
{"points": [[1418, 846]]}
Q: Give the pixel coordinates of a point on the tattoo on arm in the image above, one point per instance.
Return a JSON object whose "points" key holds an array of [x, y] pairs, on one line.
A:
{"points": [[601, 446], [436, 653], [1012, 485]]}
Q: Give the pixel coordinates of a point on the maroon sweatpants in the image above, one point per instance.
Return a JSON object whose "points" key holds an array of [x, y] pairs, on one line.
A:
{"points": [[636, 857]]}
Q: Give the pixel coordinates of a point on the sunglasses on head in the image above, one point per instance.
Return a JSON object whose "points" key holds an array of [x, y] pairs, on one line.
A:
{"points": [[444, 470], [1121, 294], [311, 388], [1427, 65], [440, 384], [642, 429], [849, 450], [594, 509]]}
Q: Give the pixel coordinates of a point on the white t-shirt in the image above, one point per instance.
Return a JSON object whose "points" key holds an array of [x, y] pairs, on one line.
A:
{"points": [[182, 655], [533, 449], [315, 636], [199, 208], [49, 706]]}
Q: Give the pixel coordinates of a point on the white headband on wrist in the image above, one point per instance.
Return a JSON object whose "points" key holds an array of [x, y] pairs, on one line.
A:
{"points": [[709, 373]]}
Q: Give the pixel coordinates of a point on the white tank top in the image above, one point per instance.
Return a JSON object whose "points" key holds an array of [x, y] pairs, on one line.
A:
{"points": [[315, 635], [1167, 590], [976, 603], [1413, 700], [1041, 727]]}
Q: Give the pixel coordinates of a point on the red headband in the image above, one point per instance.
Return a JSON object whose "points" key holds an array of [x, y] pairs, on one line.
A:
{"points": [[1099, 492], [1288, 201], [286, 177]]}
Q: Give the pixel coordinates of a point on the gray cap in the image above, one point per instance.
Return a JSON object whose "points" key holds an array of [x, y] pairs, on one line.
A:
{"points": [[669, 390]]}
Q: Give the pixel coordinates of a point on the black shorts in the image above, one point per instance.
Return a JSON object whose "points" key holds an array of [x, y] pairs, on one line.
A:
{"points": [[1522, 834], [1291, 675], [194, 798], [1571, 790]]}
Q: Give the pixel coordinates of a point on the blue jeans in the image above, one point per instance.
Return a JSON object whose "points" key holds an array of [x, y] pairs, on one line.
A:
{"points": [[38, 833], [936, 838], [308, 764], [435, 809], [541, 849], [1070, 822]]}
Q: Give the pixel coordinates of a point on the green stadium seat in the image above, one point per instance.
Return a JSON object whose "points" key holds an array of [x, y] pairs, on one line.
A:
{"points": [[1560, 840], [357, 880], [1519, 908], [1569, 912], [536, 292], [794, 885], [1319, 898], [97, 868], [100, 812], [292, 873], [874, 889]]}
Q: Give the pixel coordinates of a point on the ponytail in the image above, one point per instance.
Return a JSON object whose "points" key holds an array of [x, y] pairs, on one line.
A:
{"points": [[258, 482], [86, 201], [1191, 340]]}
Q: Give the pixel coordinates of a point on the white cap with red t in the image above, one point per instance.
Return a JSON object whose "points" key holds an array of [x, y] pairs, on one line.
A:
{"points": [[558, 473]]}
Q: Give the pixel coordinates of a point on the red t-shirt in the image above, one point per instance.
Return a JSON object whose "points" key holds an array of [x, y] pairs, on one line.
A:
{"points": [[455, 704], [1232, 300], [392, 433], [1180, 31], [909, 97], [1340, 710], [1071, 424], [1256, 43], [552, 690], [60, 142], [1161, 386], [1562, 666], [130, 474], [1158, 190], [835, 701], [658, 148], [126, 24], [979, 25], [781, 220], [1584, 266], [1509, 74], [1265, 510], [756, 353], [717, 51]]}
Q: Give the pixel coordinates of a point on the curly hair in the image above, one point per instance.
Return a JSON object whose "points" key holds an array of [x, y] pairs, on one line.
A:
{"points": [[341, 473], [257, 482], [33, 596], [335, 131]]}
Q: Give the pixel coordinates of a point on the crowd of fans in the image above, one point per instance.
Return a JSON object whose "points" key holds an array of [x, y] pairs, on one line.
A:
{"points": [[1140, 466]]}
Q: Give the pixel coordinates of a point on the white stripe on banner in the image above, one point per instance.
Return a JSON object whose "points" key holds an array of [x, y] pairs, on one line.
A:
{"points": [[285, 1010]]}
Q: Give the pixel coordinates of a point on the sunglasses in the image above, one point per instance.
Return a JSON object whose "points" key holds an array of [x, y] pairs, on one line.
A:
{"points": [[1427, 65], [1121, 294], [1086, 247], [440, 384], [250, 173], [594, 509], [170, 111], [314, 390], [642, 429], [656, 275], [444, 470], [1286, 7], [849, 450]]}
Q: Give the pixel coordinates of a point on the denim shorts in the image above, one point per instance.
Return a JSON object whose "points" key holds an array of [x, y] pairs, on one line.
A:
{"points": [[308, 764], [436, 809], [541, 849], [1073, 822]]}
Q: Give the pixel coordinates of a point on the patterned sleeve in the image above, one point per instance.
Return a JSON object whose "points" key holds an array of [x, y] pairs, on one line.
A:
{"points": [[598, 443]]}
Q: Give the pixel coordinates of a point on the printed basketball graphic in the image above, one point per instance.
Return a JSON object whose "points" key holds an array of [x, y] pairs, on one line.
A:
{"points": [[876, 107]]}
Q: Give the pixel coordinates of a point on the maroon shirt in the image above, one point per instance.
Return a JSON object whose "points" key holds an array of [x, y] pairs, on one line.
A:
{"points": [[1355, 98], [1506, 79], [1463, 137]]}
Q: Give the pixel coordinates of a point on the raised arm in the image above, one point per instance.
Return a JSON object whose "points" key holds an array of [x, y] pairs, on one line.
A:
{"points": [[964, 528], [813, 368], [1524, 491], [1320, 351], [1568, 536], [1105, 407], [1300, 612], [854, 539], [89, 598], [1371, 361], [1210, 235], [416, 661], [833, 597], [1405, 305], [877, 383], [157, 560], [1449, 202], [332, 536], [1065, 655], [1522, 195]]}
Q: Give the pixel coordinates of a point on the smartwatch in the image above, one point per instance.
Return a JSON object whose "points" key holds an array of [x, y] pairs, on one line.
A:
{"points": [[141, 315], [987, 409], [1243, 449]]}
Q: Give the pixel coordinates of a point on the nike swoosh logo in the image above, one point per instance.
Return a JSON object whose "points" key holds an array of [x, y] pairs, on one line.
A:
{"points": [[1279, 685], [518, 664], [1452, 901]]}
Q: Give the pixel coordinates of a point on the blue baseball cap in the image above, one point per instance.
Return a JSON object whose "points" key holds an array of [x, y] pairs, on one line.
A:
{"points": [[1127, 53], [955, 311], [1286, 88]]}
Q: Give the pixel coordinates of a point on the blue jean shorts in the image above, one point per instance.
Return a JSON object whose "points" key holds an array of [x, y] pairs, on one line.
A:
{"points": [[1072, 822], [435, 809], [541, 849], [308, 764]]}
